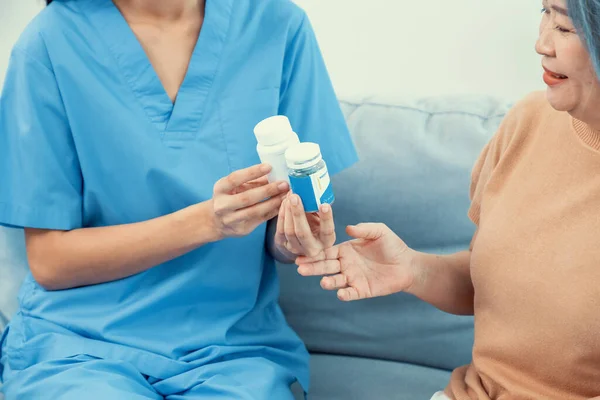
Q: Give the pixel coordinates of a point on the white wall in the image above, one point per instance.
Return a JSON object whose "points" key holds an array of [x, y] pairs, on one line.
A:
{"points": [[14, 15], [400, 47], [429, 47]]}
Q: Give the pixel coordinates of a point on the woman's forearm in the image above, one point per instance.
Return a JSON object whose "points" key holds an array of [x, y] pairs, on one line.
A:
{"points": [[62, 260], [445, 281]]}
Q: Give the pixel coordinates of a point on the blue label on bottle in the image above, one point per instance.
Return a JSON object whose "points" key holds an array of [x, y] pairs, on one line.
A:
{"points": [[314, 189]]}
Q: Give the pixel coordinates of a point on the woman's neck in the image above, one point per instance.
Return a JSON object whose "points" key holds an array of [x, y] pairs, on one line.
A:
{"points": [[589, 119], [161, 10]]}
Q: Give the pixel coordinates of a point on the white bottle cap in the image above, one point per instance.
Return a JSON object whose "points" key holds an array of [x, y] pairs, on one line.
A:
{"points": [[303, 155], [273, 130]]}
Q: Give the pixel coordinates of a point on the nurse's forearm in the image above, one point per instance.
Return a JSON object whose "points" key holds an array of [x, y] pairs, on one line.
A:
{"points": [[63, 260]]}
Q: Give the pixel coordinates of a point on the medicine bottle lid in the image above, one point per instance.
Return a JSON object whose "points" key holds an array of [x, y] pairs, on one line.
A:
{"points": [[303, 155], [273, 130]]}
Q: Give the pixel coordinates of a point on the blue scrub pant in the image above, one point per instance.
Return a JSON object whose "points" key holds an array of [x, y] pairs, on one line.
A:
{"points": [[84, 377]]}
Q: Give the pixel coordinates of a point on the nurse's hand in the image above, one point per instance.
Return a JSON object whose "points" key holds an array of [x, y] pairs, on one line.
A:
{"points": [[304, 234], [245, 199]]}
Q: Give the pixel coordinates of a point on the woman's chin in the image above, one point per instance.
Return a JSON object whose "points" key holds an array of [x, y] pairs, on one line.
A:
{"points": [[559, 101]]}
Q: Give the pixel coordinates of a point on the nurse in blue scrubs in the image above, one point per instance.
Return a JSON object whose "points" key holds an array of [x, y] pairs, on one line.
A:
{"points": [[127, 154]]}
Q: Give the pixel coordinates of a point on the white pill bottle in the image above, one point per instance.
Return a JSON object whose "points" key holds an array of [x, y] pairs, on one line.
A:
{"points": [[274, 136]]}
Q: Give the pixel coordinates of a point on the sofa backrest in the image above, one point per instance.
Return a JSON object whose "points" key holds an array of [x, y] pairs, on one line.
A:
{"points": [[414, 172], [13, 268]]}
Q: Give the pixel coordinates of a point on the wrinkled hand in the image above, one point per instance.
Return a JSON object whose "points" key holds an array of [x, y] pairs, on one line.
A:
{"points": [[245, 199], [376, 263], [303, 234]]}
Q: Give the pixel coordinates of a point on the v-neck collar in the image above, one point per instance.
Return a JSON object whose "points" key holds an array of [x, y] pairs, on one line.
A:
{"points": [[179, 121]]}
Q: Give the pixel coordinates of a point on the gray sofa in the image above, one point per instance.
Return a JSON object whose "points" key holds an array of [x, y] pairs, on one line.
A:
{"points": [[416, 158], [414, 174]]}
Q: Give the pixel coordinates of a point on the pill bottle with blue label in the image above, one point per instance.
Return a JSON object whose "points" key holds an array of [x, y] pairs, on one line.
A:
{"points": [[308, 175], [274, 136]]}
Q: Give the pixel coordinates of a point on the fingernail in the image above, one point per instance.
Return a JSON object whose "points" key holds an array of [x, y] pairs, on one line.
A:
{"points": [[294, 200], [325, 208], [282, 186], [265, 168]]}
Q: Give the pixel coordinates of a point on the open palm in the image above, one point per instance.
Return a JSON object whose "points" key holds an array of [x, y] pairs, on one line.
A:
{"points": [[376, 263]]}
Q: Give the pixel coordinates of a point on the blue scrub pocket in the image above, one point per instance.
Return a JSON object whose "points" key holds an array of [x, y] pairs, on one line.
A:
{"points": [[239, 114]]}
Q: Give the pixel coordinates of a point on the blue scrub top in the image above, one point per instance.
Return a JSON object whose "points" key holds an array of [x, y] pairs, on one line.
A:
{"points": [[89, 138]]}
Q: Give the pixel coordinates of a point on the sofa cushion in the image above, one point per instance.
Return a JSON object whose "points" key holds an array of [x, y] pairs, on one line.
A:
{"points": [[415, 164], [349, 378], [414, 172], [13, 268]]}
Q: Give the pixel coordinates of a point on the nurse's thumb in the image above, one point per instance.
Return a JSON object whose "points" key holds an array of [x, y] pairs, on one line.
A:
{"points": [[367, 231]]}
